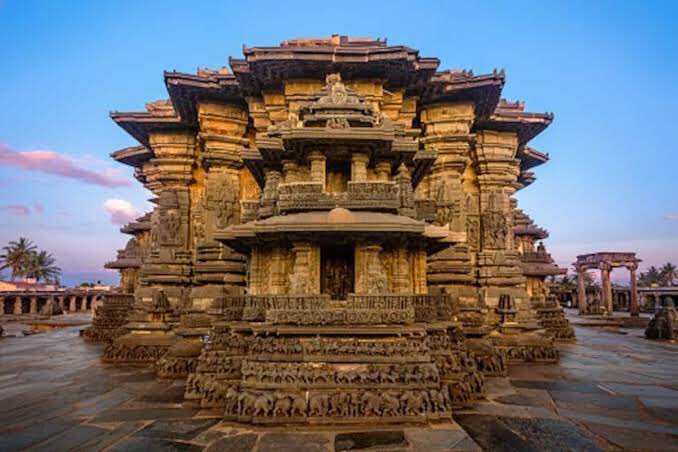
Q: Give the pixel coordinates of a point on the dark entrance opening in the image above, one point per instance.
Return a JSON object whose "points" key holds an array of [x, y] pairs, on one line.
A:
{"points": [[336, 271]]}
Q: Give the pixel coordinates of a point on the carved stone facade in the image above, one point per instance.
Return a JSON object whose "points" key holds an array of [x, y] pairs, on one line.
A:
{"points": [[333, 220]]}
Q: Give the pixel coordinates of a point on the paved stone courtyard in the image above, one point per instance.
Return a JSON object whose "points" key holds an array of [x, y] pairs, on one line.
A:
{"points": [[612, 390]]}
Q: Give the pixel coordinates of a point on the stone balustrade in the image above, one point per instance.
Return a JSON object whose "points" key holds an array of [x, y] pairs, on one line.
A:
{"points": [[300, 196]]}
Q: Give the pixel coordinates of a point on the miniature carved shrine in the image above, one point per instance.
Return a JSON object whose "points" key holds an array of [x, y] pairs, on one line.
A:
{"points": [[334, 234], [537, 265], [111, 316]]}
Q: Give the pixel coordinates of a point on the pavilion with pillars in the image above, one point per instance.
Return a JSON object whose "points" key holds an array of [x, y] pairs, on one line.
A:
{"points": [[606, 262]]}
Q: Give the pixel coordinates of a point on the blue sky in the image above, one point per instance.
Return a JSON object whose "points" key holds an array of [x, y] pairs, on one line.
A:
{"points": [[607, 69]]}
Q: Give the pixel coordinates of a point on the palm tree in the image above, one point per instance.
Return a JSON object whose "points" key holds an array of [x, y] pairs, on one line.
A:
{"points": [[17, 256], [42, 266], [668, 274]]}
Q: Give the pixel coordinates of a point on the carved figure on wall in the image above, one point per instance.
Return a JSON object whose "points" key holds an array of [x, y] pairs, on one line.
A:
{"points": [[376, 275], [169, 227], [495, 227], [227, 205]]}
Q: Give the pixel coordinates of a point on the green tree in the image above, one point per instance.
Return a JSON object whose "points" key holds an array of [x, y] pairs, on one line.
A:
{"points": [[42, 266], [668, 274], [17, 256], [649, 278]]}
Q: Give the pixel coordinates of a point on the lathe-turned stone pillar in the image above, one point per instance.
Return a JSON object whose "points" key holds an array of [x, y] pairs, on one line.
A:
{"points": [[72, 305], [33, 309], [290, 171], [383, 170], [606, 286], [17, 305], [318, 167], [634, 307], [61, 300], [83, 303], [359, 167]]}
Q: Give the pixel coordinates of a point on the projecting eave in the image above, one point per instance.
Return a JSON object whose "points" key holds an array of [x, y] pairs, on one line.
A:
{"points": [[530, 158], [268, 67], [188, 90], [140, 125], [134, 156], [483, 91], [329, 224], [525, 125], [542, 269]]}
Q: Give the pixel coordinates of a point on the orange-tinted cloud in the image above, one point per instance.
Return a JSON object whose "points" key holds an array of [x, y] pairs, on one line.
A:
{"points": [[121, 211], [57, 164], [670, 216], [17, 210]]}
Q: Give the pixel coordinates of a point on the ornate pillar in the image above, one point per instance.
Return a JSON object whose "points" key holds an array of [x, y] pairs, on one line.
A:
{"points": [[269, 197], [49, 306], [278, 271], [581, 291], [383, 170], [290, 171], [634, 308], [500, 271], [83, 303], [72, 306], [17, 305], [2, 305], [318, 167], [401, 278], [305, 276], [606, 286], [33, 306], [62, 303], [370, 272], [453, 186], [359, 167]]}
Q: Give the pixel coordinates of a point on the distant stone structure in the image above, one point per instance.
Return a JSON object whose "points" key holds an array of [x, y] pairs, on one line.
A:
{"points": [[334, 237], [32, 300], [605, 262]]}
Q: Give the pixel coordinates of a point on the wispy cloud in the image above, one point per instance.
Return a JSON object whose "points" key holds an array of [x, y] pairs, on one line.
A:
{"points": [[17, 210], [672, 216], [52, 162], [38, 207], [121, 211]]}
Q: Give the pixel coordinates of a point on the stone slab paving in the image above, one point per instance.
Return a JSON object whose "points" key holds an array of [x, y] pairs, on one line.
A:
{"points": [[612, 390]]}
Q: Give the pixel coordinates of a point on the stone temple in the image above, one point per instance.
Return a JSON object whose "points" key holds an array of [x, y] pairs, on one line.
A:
{"points": [[335, 236]]}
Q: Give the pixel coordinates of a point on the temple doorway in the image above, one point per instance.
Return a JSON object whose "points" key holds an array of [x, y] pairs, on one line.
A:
{"points": [[336, 271]]}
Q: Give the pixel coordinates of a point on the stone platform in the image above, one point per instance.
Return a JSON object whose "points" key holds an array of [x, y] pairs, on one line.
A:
{"points": [[611, 390]]}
